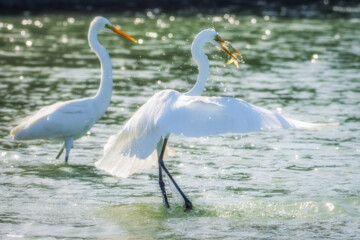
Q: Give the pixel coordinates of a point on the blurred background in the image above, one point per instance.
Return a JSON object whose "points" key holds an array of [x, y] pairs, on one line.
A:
{"points": [[301, 59], [277, 7]]}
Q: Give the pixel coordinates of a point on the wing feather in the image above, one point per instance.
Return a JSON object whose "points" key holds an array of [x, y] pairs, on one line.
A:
{"points": [[53, 121], [121, 163], [203, 116], [133, 149]]}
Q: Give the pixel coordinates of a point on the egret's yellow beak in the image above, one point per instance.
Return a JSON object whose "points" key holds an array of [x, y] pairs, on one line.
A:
{"points": [[232, 52], [117, 31]]}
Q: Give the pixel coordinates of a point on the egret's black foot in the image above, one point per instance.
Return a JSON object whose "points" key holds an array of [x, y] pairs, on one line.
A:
{"points": [[165, 199], [188, 205], [166, 203], [66, 159]]}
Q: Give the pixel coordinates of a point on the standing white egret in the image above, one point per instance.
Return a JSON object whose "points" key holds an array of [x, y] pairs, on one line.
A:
{"points": [[71, 120], [141, 143]]}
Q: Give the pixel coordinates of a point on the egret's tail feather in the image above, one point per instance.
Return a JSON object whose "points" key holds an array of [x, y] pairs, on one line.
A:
{"points": [[310, 126], [14, 131], [17, 132]]}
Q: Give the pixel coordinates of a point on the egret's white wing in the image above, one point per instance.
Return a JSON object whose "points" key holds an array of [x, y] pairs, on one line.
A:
{"points": [[203, 116], [56, 121], [134, 148], [35, 117], [125, 154], [116, 163]]}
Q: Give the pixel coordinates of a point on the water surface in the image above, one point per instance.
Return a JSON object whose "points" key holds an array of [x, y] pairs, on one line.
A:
{"points": [[267, 185]]}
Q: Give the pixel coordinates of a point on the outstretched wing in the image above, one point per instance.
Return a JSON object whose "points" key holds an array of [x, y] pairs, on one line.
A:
{"points": [[204, 116], [134, 148]]}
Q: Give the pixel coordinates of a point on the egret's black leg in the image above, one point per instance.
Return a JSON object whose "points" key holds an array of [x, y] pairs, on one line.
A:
{"points": [[162, 187], [188, 204], [61, 151], [161, 182]]}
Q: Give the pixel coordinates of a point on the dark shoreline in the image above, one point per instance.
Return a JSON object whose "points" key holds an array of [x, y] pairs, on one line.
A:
{"points": [[295, 8]]}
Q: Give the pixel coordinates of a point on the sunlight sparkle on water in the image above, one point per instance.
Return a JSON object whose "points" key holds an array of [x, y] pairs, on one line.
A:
{"points": [[138, 21], [26, 22], [151, 34], [161, 24], [314, 58], [29, 43], [71, 20], [38, 24], [10, 235], [231, 20], [64, 39], [150, 15], [330, 206], [217, 19]]}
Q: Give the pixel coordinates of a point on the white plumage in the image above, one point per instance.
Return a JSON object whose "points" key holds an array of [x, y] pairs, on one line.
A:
{"points": [[142, 142], [136, 146], [53, 121], [70, 120], [169, 112]]}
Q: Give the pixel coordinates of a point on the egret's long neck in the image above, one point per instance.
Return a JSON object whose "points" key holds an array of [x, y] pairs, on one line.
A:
{"points": [[103, 96], [203, 65]]}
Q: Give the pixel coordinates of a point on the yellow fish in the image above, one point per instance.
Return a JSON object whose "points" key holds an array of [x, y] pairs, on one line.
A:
{"points": [[228, 48]]}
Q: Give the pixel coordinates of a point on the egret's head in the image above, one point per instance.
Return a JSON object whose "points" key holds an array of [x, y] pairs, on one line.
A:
{"points": [[228, 49], [210, 35], [101, 23]]}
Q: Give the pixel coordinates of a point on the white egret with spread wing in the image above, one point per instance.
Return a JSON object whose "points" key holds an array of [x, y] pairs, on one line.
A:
{"points": [[141, 143], [70, 120]]}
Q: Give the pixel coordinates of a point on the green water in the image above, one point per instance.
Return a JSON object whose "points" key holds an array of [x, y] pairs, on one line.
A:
{"points": [[268, 185]]}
